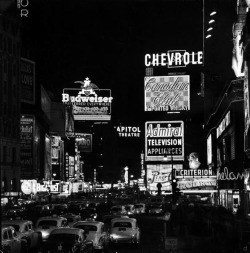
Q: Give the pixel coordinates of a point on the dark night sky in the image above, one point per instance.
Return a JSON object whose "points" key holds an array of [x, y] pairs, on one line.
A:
{"points": [[106, 40]]}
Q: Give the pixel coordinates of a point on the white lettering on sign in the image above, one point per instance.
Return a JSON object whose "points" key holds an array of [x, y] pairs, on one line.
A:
{"points": [[168, 131], [73, 99], [160, 177], [226, 175], [195, 173], [174, 58]]}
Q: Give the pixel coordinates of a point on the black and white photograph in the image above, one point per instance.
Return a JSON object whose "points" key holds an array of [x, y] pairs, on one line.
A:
{"points": [[125, 126]]}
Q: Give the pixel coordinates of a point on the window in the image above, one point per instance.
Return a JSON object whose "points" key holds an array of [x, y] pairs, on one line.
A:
{"points": [[26, 228], [10, 234], [5, 235]]}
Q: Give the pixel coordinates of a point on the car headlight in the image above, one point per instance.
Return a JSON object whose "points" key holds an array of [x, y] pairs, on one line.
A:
{"points": [[114, 236]]}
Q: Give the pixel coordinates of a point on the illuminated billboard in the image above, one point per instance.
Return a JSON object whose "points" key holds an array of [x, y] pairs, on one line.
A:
{"points": [[174, 59], [167, 93], [83, 142], [88, 102], [128, 131], [164, 138], [160, 173], [27, 79]]}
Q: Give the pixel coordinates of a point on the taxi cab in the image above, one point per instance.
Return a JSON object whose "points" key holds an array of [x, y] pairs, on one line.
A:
{"points": [[47, 224], [25, 230], [125, 230], [95, 232], [10, 241]]}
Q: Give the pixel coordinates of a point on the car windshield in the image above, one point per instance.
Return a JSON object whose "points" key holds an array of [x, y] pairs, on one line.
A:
{"points": [[63, 237], [155, 206], [47, 223], [138, 206], [70, 219], [128, 208], [116, 209], [123, 224], [86, 227]]}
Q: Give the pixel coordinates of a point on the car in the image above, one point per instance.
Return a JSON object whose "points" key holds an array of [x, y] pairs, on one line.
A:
{"points": [[59, 209], [140, 208], [14, 213], [76, 207], [107, 220], [130, 209], [47, 224], [95, 231], [70, 240], [118, 210], [24, 230], [71, 218], [155, 209], [125, 230], [88, 213], [10, 242]]}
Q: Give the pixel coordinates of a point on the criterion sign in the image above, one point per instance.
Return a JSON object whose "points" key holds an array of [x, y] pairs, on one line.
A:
{"points": [[164, 138]]}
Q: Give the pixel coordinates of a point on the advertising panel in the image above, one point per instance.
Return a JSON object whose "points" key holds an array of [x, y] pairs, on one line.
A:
{"points": [[193, 180], [27, 73], [160, 173], [128, 131], [55, 149], [83, 142], [47, 158], [26, 145], [164, 138], [174, 59], [167, 93], [209, 149], [88, 102]]}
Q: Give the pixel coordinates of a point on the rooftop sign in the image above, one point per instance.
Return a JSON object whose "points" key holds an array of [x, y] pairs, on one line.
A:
{"points": [[89, 102], [174, 59], [164, 138], [167, 93]]}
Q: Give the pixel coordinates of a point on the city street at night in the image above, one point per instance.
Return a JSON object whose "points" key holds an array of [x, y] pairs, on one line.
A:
{"points": [[125, 126]]}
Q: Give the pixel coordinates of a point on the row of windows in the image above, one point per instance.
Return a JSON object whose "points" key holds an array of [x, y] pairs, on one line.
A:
{"points": [[9, 131]]}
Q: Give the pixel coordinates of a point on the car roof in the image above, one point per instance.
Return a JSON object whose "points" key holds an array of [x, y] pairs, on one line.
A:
{"points": [[15, 221], [124, 219], [52, 218], [89, 222], [75, 231]]}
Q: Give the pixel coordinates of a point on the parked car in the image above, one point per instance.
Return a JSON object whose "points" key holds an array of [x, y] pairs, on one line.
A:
{"points": [[140, 208], [107, 220], [130, 209], [70, 240], [59, 209], [14, 213], [24, 230], [47, 224], [118, 210], [10, 242], [71, 218], [88, 213], [156, 209], [125, 230], [95, 231]]}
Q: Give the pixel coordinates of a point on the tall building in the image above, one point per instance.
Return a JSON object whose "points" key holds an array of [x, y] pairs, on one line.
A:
{"points": [[10, 54]]}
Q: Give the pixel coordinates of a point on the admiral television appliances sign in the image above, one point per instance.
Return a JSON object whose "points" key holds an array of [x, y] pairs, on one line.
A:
{"points": [[88, 102], [164, 138], [174, 59], [167, 93]]}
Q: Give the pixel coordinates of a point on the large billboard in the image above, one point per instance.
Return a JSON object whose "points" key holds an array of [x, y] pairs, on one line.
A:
{"points": [[167, 93], [160, 173], [164, 138], [196, 180], [27, 73], [26, 145], [88, 102]]}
